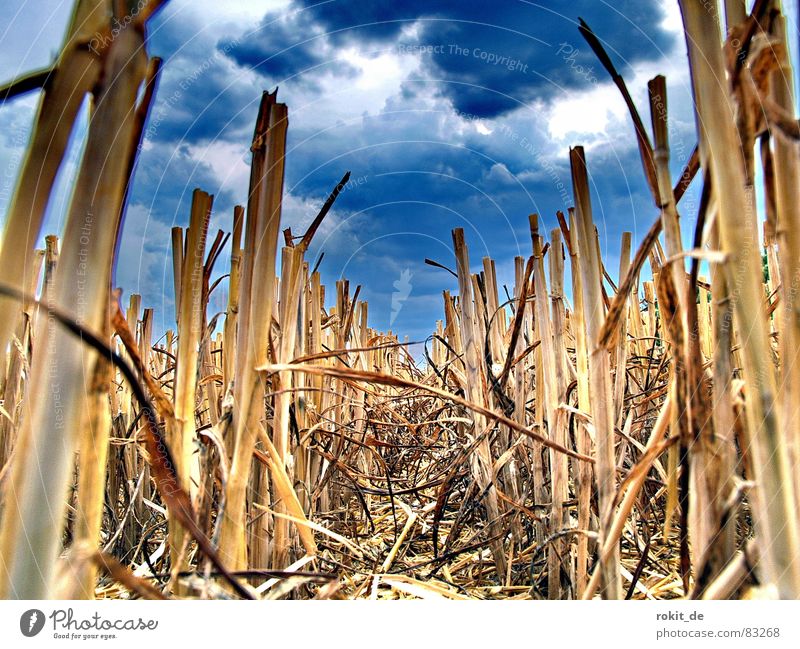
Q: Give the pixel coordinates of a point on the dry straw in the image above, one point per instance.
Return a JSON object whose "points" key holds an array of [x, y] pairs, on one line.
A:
{"points": [[618, 437]]}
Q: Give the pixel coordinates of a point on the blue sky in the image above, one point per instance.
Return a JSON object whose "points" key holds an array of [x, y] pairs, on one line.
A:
{"points": [[448, 113]]}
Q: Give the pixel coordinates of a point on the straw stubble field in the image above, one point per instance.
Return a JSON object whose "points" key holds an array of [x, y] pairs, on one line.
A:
{"points": [[629, 438]]}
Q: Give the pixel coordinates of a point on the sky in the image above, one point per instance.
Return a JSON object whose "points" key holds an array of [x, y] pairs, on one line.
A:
{"points": [[447, 113]]}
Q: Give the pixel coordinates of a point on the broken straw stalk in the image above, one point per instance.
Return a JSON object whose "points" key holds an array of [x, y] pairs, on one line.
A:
{"points": [[556, 444]]}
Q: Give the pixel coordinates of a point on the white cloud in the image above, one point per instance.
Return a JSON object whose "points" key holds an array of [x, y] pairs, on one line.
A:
{"points": [[31, 34], [335, 98], [15, 125], [240, 11], [499, 173], [571, 115], [672, 21], [598, 114], [229, 161]]}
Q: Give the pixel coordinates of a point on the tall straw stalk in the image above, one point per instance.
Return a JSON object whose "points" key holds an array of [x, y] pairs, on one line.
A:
{"points": [[721, 151]]}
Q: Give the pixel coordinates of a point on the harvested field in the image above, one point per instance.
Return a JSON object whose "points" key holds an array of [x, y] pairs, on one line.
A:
{"points": [[589, 432]]}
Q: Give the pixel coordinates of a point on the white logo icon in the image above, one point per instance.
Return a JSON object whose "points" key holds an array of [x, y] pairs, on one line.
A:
{"points": [[31, 622], [402, 291]]}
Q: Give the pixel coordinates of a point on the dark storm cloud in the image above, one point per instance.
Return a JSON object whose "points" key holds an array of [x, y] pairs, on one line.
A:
{"points": [[425, 168], [409, 177], [487, 57], [284, 45], [201, 96], [415, 191], [201, 104], [164, 181]]}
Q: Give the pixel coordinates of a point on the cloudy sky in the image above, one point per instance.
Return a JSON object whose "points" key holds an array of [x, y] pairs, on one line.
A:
{"points": [[448, 113]]}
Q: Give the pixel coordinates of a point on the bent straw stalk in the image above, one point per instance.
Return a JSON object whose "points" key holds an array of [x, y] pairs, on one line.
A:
{"points": [[74, 74], [539, 450], [34, 507], [776, 501]]}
